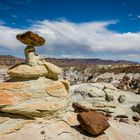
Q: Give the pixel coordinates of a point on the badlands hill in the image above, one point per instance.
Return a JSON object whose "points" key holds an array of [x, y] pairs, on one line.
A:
{"points": [[122, 76], [86, 62], [11, 60]]}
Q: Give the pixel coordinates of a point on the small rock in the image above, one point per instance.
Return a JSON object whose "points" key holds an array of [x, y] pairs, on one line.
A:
{"points": [[93, 122], [122, 99], [42, 132], [136, 118], [124, 120], [136, 108]]}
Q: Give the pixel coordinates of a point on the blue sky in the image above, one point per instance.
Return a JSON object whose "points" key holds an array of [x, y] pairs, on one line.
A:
{"points": [[108, 29], [20, 13]]}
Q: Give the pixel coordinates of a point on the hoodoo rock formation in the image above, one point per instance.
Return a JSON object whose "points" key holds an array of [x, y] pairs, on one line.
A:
{"points": [[34, 89], [35, 65]]}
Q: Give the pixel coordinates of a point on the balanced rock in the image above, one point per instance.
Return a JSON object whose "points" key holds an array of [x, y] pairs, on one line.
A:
{"points": [[93, 122], [35, 66], [31, 39]]}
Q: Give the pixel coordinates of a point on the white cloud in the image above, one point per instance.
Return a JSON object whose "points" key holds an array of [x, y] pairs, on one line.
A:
{"points": [[72, 39], [8, 38], [94, 35]]}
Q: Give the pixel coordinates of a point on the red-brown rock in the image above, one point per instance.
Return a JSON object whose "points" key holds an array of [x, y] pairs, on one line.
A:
{"points": [[93, 122], [31, 39]]}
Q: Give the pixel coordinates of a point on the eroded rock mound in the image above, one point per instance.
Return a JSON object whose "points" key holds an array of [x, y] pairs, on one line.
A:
{"points": [[104, 97]]}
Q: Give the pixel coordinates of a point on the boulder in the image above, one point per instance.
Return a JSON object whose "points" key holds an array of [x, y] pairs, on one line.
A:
{"points": [[93, 122], [24, 71], [27, 72]]}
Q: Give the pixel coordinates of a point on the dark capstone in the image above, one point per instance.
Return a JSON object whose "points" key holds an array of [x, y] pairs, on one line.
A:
{"points": [[31, 39]]}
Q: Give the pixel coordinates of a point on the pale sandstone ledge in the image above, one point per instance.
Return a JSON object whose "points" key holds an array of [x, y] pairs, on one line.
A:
{"points": [[33, 97], [60, 130]]}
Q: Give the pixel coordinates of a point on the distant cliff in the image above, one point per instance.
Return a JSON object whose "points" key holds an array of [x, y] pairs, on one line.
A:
{"points": [[11, 60], [86, 62]]}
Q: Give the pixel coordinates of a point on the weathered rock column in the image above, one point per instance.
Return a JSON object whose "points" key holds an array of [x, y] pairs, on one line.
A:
{"points": [[29, 54]]}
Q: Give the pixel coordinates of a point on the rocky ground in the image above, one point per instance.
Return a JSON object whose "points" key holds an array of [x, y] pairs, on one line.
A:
{"points": [[102, 103], [122, 76], [121, 107], [3, 73]]}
